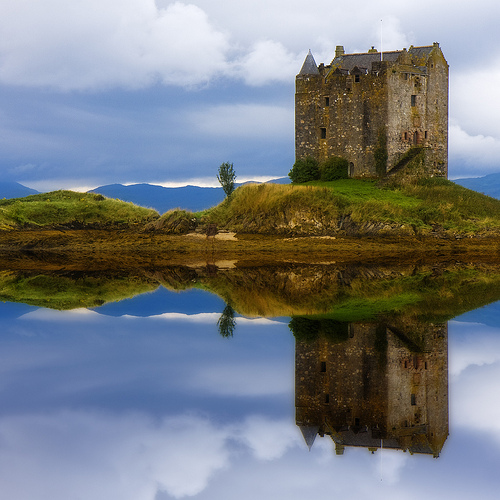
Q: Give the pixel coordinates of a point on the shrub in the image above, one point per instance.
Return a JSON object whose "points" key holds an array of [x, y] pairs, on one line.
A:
{"points": [[334, 168], [304, 170]]}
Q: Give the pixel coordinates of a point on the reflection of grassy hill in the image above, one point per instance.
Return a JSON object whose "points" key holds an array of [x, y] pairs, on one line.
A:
{"points": [[357, 293], [334, 292], [72, 210], [71, 290]]}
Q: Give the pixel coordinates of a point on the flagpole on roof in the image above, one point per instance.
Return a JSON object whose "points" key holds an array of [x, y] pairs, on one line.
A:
{"points": [[381, 53]]}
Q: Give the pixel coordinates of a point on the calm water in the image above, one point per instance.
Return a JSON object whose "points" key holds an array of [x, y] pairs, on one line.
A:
{"points": [[144, 399]]}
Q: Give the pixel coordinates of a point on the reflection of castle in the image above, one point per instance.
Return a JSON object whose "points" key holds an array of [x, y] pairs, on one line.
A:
{"points": [[372, 385]]}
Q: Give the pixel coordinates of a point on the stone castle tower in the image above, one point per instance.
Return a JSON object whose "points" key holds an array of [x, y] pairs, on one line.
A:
{"points": [[379, 386], [380, 111]]}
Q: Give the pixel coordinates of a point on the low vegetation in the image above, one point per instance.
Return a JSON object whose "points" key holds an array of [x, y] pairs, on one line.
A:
{"points": [[72, 210], [345, 207], [356, 207]]}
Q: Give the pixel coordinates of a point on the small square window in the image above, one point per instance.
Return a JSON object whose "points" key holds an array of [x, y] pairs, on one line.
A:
{"points": [[356, 78]]}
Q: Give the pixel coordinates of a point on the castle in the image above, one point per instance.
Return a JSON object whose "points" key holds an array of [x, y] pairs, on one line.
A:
{"points": [[374, 385], [385, 112]]}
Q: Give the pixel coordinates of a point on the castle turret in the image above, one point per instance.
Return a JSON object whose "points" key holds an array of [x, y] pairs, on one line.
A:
{"points": [[309, 67]]}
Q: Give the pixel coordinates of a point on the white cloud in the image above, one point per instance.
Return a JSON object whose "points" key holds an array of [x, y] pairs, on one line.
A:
{"points": [[80, 44], [472, 155], [268, 61]]}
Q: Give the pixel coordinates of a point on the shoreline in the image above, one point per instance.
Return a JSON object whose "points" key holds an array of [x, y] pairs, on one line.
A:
{"points": [[124, 249]]}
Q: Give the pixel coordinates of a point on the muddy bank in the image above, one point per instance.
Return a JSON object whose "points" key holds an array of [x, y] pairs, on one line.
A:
{"points": [[99, 249]]}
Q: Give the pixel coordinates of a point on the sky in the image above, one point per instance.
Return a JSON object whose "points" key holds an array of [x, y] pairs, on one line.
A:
{"points": [[95, 92]]}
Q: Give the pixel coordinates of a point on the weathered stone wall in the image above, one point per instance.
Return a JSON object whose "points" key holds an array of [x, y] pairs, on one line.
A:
{"points": [[394, 105]]}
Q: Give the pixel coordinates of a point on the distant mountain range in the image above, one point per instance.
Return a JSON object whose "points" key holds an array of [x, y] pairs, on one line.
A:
{"points": [[196, 198], [162, 199], [14, 190], [489, 184]]}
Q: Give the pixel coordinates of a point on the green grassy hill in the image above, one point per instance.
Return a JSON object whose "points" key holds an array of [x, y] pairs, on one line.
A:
{"points": [[348, 207], [358, 207], [71, 210]]}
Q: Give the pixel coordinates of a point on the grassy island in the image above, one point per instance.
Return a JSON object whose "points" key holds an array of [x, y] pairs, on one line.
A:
{"points": [[339, 220]]}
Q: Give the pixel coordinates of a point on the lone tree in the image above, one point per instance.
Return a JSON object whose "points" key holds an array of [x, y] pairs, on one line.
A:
{"points": [[226, 177], [226, 322]]}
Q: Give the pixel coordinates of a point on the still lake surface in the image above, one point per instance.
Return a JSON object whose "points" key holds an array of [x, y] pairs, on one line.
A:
{"points": [[144, 399]]}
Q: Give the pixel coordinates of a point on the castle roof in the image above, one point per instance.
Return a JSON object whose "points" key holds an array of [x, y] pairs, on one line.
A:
{"points": [[348, 62], [309, 67]]}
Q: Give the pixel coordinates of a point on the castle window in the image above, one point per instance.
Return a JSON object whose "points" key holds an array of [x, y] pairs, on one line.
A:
{"points": [[413, 399], [415, 138], [406, 136], [413, 100], [323, 132], [356, 78], [327, 398], [327, 101], [323, 366], [425, 134]]}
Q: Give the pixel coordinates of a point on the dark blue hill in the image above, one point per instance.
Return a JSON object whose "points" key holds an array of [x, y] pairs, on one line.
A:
{"points": [[15, 190], [162, 199], [489, 184]]}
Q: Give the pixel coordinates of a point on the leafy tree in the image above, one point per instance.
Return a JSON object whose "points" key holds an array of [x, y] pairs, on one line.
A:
{"points": [[226, 177], [226, 322], [304, 170], [334, 168]]}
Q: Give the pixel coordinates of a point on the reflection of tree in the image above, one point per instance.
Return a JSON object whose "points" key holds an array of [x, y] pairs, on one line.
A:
{"points": [[226, 323]]}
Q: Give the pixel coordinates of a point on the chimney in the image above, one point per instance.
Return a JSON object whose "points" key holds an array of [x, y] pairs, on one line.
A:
{"points": [[339, 50]]}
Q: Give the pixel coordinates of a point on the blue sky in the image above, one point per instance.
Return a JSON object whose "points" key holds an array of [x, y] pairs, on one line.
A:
{"points": [[101, 91]]}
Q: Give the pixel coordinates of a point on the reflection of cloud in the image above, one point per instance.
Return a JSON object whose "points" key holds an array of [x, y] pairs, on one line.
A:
{"points": [[472, 344], [101, 456], [87, 314], [54, 315], [389, 465], [269, 439], [476, 399], [474, 361]]}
